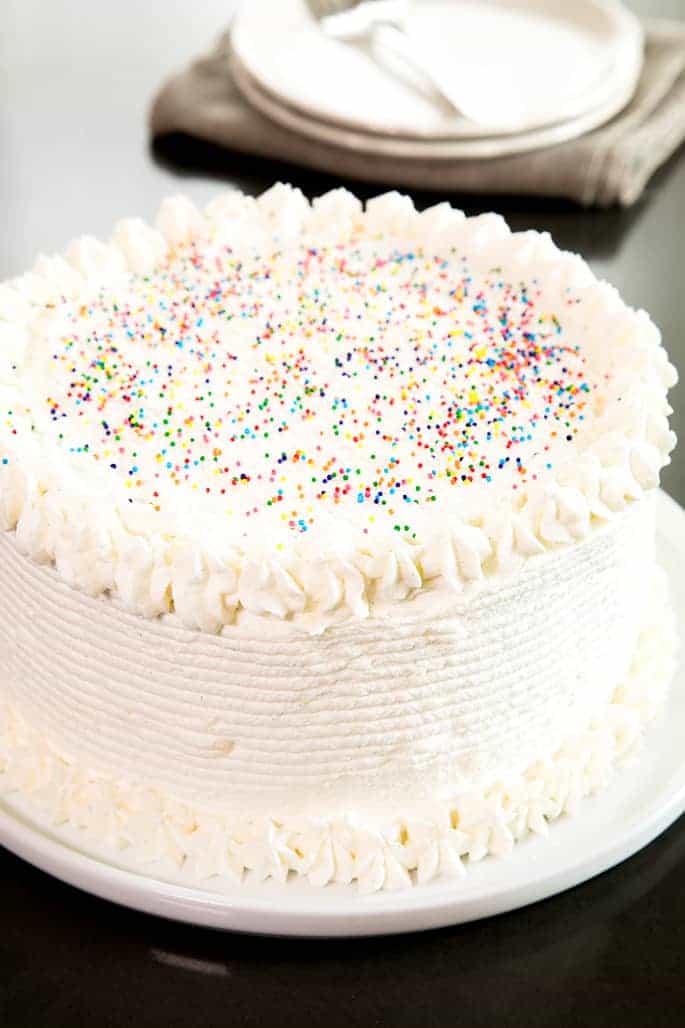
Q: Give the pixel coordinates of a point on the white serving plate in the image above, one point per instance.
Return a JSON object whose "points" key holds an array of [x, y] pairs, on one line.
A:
{"points": [[376, 144], [638, 805], [537, 62]]}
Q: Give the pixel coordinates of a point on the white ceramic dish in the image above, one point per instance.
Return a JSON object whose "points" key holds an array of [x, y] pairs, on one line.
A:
{"points": [[639, 804], [402, 148], [539, 63]]}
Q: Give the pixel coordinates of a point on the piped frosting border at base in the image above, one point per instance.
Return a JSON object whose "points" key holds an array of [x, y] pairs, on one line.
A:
{"points": [[148, 828]]}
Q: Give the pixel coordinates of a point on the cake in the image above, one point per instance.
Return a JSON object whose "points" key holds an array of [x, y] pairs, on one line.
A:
{"points": [[327, 538]]}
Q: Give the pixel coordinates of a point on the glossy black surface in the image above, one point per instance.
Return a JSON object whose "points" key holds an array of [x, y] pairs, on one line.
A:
{"points": [[76, 80], [608, 953]]}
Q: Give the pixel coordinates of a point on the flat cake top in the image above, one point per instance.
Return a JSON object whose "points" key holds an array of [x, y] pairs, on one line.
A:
{"points": [[311, 409], [369, 376]]}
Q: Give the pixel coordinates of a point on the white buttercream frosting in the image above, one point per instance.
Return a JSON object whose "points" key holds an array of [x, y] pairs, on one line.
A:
{"points": [[312, 412]]}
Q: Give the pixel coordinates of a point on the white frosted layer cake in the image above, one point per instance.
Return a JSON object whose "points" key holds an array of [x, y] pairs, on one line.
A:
{"points": [[327, 537]]}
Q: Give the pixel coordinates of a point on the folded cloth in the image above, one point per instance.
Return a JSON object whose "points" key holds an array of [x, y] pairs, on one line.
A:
{"points": [[609, 165]]}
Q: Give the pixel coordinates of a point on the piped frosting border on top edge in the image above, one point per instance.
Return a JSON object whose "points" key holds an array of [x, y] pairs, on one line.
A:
{"points": [[102, 550]]}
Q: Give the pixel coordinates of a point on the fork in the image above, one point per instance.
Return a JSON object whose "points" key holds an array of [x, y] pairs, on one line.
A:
{"points": [[383, 23]]}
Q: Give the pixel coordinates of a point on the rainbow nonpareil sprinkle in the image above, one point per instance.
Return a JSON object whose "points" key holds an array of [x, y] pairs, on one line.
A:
{"points": [[355, 377]]}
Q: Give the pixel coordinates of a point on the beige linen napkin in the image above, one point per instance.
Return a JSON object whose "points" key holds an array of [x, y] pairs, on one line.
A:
{"points": [[609, 165]]}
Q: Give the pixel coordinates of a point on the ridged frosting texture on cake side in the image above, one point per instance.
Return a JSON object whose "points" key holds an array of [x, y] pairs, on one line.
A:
{"points": [[108, 408], [390, 712], [122, 818]]}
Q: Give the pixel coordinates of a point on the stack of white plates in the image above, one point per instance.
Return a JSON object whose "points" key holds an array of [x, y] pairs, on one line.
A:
{"points": [[555, 69]]}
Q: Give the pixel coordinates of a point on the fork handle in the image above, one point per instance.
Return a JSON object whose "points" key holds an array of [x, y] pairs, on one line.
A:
{"points": [[397, 42]]}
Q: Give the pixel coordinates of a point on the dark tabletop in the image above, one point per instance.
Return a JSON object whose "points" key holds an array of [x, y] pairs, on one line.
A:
{"points": [[75, 82]]}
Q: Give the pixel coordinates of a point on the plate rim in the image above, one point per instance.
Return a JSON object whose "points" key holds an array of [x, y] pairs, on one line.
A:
{"points": [[483, 148], [275, 912]]}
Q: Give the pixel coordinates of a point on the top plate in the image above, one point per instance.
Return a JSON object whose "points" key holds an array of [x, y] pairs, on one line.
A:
{"points": [[542, 61]]}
